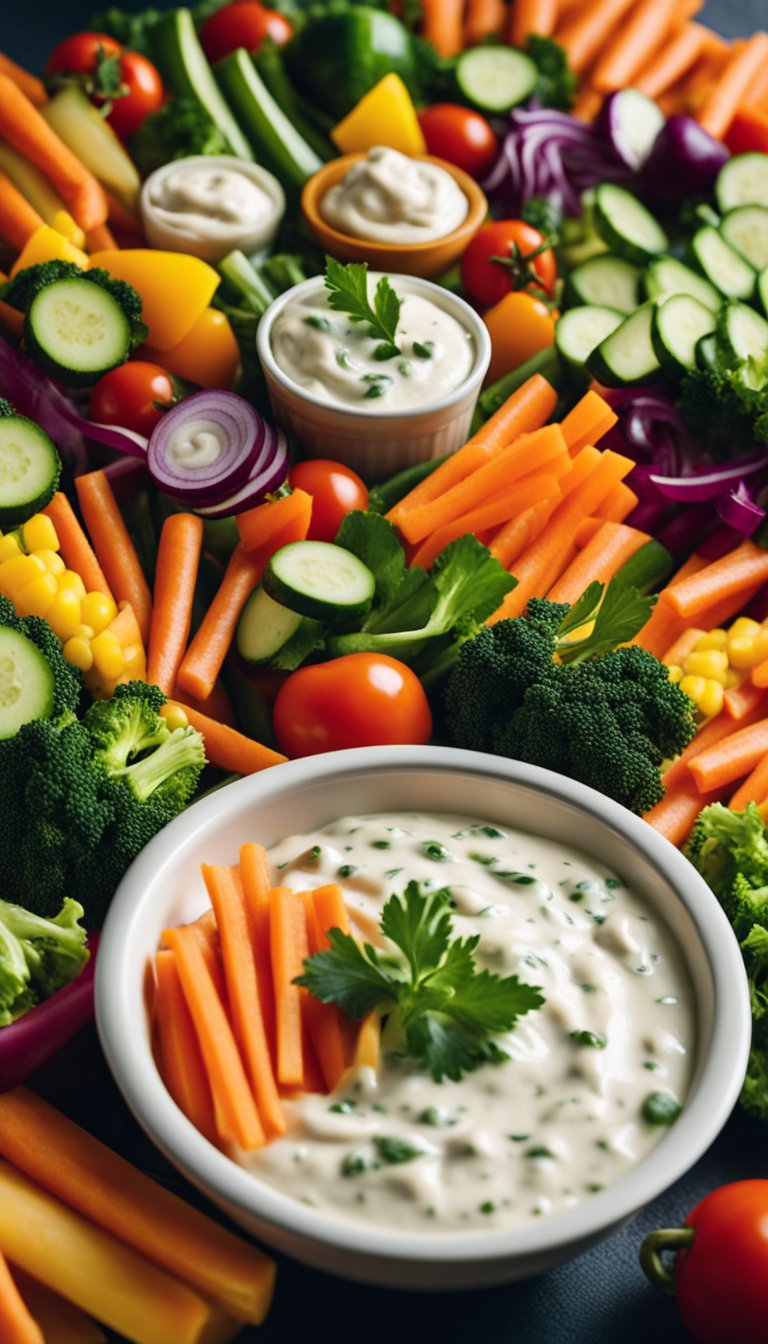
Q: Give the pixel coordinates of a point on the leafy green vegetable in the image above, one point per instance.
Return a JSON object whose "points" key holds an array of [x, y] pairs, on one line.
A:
{"points": [[727, 407], [348, 293], [177, 130], [557, 83], [133, 30], [441, 1009], [37, 956]]}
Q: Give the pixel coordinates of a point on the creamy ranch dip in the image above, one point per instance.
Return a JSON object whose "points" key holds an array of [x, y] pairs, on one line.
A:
{"points": [[566, 1114], [388, 197], [335, 359], [208, 205]]}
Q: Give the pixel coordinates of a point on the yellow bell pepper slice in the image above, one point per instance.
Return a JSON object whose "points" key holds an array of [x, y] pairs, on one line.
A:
{"points": [[47, 244], [207, 355], [174, 287], [384, 116]]}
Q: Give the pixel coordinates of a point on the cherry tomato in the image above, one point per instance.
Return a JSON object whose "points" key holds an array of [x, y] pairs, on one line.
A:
{"points": [[335, 489], [243, 24], [487, 280], [460, 136], [359, 700], [125, 396], [721, 1278], [519, 326], [89, 56]]}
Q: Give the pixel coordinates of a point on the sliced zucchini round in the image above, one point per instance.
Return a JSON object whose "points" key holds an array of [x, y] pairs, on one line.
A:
{"points": [[608, 281], [29, 470], [317, 578], [741, 332], [743, 180], [678, 325], [627, 358], [708, 352], [579, 330], [668, 276], [264, 627], [76, 331], [722, 264], [626, 225], [26, 683], [495, 78], [746, 229]]}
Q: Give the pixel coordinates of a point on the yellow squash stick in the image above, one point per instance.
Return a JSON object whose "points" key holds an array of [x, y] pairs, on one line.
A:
{"points": [[59, 1320]]}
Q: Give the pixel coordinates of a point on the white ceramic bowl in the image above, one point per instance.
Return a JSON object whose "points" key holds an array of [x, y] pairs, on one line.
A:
{"points": [[377, 443], [164, 887], [165, 232]]}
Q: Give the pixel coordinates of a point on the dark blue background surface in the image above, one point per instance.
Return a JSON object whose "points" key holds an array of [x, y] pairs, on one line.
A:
{"points": [[601, 1298]]}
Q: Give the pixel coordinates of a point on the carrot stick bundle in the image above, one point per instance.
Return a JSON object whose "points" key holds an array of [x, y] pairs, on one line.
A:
{"points": [[632, 45], [730, 576], [519, 532], [583, 31], [739, 700], [442, 25], [17, 1325], [507, 504], [178, 559], [181, 1062], [23, 127], [32, 87], [113, 546], [600, 559], [718, 109], [75, 548], [531, 16], [672, 62]]}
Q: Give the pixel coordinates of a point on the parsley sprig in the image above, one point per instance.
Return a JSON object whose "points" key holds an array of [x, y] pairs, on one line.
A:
{"points": [[446, 1011], [348, 293]]}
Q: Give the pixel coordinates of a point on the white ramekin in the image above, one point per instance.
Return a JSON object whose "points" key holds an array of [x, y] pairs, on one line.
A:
{"points": [[248, 238]]}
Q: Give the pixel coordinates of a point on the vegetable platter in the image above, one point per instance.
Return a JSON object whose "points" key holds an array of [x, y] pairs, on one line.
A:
{"points": [[179, 606]]}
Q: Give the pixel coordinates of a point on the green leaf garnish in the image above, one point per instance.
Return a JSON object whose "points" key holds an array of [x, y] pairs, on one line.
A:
{"points": [[618, 612], [348, 293]]}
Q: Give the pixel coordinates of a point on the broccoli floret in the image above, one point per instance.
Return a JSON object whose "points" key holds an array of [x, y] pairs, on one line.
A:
{"points": [[67, 680], [27, 284], [180, 128], [6, 408], [724, 845], [133, 744], [727, 409], [37, 956]]}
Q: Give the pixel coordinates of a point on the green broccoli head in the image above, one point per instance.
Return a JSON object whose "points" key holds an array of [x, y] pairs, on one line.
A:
{"points": [[67, 681], [54, 950], [6, 409], [27, 284], [727, 409], [16, 994], [133, 745], [178, 129], [724, 844]]}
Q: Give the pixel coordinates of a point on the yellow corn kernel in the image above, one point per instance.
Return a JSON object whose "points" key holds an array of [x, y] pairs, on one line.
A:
{"points": [[84, 631], [733, 678], [52, 561], [743, 625], [9, 547], [174, 716], [39, 534], [675, 673], [108, 656], [98, 610], [17, 572], [35, 598], [69, 578], [694, 687], [78, 652], [711, 702], [63, 615], [708, 663], [743, 652], [714, 639]]}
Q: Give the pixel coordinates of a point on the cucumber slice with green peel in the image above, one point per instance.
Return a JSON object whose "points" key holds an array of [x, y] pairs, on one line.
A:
{"points": [[746, 229], [317, 578], [678, 325], [668, 276], [741, 332], [76, 331], [185, 70], [627, 358], [495, 78], [26, 683], [625, 224], [264, 627], [743, 180], [762, 289], [722, 264], [580, 330], [29, 470], [277, 142], [708, 352], [608, 281]]}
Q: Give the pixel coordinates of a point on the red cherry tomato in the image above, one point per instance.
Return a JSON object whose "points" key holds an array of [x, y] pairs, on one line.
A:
{"points": [[487, 281], [243, 24], [126, 396], [360, 700], [84, 54], [335, 489], [460, 136]]}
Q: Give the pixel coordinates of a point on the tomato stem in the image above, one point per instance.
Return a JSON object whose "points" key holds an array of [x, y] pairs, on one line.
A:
{"points": [[669, 1239]]}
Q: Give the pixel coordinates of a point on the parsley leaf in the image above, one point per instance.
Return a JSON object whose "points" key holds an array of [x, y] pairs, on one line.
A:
{"points": [[348, 293], [441, 1007], [617, 613]]}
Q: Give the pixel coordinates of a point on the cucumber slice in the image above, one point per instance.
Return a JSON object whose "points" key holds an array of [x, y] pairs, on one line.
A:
{"points": [[76, 331], [708, 352], [608, 281], [743, 180], [722, 264], [26, 683], [626, 226], [746, 229], [264, 627], [678, 324], [185, 70], [495, 78], [277, 142], [627, 358], [762, 289], [317, 578], [579, 330], [741, 332], [668, 276], [29, 470]]}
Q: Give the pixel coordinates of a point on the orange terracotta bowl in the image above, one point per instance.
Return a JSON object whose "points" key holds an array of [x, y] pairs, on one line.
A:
{"points": [[424, 259]]}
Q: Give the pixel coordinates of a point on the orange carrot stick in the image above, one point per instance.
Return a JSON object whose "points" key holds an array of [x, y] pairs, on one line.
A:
{"points": [[663, 626], [754, 789], [727, 577], [113, 546], [739, 700], [587, 103], [203, 660], [178, 559], [507, 504], [254, 874], [709, 735], [587, 422], [229, 749], [225, 889], [181, 1062], [76, 549], [629, 47], [718, 109], [236, 1115], [618, 504], [584, 29], [289, 950], [674, 816], [672, 61], [100, 239], [731, 758], [60, 1321], [600, 559], [759, 674], [16, 1323], [216, 706], [442, 25], [531, 16], [23, 127], [32, 87], [322, 1019], [18, 219], [680, 647], [519, 532], [526, 410], [258, 526], [484, 19]]}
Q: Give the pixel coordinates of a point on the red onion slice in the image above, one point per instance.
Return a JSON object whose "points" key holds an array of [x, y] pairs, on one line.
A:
{"points": [[206, 447], [709, 484], [257, 486]]}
